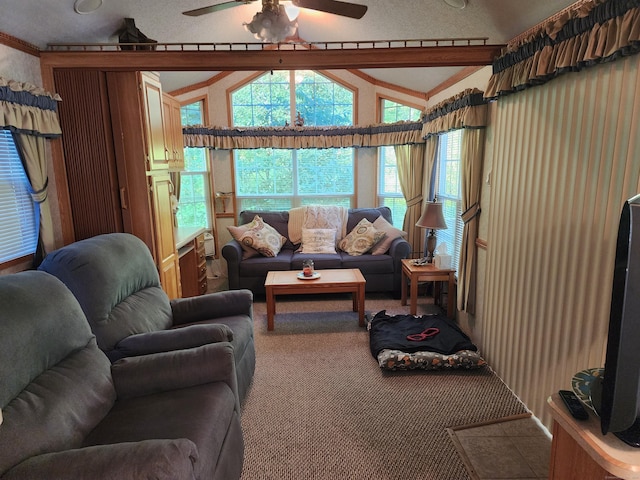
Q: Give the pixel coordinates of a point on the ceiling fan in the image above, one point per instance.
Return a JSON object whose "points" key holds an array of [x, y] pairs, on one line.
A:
{"points": [[345, 9]]}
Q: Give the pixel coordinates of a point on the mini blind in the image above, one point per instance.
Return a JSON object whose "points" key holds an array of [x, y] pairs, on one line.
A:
{"points": [[448, 188], [18, 227]]}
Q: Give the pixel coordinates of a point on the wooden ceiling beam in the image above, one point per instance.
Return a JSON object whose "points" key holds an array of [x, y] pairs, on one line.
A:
{"points": [[256, 60]]}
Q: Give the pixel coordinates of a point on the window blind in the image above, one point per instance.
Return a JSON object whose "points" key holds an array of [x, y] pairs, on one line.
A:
{"points": [[18, 226]]}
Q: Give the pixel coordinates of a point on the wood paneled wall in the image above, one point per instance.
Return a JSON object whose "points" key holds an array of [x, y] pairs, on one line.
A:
{"points": [[565, 157]]}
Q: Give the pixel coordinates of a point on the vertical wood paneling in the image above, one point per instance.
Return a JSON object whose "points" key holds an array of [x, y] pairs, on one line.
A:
{"points": [[565, 157]]}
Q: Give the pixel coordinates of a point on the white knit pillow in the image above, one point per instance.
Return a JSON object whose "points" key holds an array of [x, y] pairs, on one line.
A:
{"points": [[318, 240]]}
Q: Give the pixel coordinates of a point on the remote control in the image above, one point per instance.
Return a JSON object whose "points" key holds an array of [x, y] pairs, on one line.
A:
{"points": [[574, 405]]}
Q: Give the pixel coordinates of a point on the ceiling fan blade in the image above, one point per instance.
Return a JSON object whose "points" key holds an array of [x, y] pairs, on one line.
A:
{"points": [[344, 9], [215, 8]]}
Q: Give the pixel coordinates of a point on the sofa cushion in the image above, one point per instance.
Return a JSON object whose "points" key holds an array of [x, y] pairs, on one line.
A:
{"points": [[320, 261], [391, 234], [259, 266], [369, 264], [318, 240], [361, 238], [357, 214]]}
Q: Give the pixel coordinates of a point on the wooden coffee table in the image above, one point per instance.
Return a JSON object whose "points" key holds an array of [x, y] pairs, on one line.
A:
{"points": [[348, 280]]}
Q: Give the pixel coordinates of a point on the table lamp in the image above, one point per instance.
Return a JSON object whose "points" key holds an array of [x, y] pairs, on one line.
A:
{"points": [[432, 218]]}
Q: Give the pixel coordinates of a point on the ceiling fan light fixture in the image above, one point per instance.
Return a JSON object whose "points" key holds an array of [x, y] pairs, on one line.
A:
{"points": [[459, 4], [272, 25]]}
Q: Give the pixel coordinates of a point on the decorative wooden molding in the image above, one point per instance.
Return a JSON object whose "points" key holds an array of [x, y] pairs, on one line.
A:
{"points": [[390, 86], [252, 60], [199, 85], [480, 243], [18, 44]]}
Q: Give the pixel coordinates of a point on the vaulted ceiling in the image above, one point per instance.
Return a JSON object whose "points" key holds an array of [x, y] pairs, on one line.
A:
{"points": [[41, 23]]}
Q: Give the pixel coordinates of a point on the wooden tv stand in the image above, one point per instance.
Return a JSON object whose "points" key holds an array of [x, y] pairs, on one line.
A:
{"points": [[579, 451]]}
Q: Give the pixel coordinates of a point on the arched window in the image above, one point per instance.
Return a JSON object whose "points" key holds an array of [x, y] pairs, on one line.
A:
{"points": [[280, 179]]}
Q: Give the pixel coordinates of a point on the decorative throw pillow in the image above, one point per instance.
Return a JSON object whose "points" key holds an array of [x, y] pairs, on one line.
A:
{"points": [[318, 240], [359, 240], [392, 233], [258, 236]]}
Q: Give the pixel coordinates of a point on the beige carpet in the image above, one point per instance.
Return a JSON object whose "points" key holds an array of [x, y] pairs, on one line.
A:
{"points": [[320, 407]]}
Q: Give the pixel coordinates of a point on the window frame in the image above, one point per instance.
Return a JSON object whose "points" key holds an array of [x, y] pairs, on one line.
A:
{"points": [[394, 200], [17, 197], [455, 225], [204, 174], [294, 198]]}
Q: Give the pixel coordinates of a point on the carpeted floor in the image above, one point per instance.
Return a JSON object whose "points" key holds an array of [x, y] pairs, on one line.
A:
{"points": [[320, 407]]}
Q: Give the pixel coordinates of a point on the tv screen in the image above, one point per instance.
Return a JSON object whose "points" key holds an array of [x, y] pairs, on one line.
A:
{"points": [[617, 397]]}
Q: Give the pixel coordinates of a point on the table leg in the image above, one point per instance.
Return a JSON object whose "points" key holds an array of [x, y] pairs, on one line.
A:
{"points": [[403, 289], [271, 307], [450, 297], [413, 309], [360, 296]]}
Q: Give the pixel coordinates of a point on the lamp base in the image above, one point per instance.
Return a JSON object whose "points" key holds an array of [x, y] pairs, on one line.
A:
{"points": [[431, 246]]}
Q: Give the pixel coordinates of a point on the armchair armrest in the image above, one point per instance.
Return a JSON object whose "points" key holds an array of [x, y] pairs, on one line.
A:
{"points": [[212, 306], [161, 372], [158, 459], [174, 339]]}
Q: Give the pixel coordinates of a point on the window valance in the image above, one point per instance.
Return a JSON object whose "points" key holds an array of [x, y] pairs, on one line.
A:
{"points": [[27, 109], [593, 32], [229, 138], [468, 109]]}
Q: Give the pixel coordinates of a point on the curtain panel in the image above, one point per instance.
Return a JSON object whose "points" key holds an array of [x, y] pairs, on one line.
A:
{"points": [[593, 32], [229, 138], [31, 114], [467, 110]]}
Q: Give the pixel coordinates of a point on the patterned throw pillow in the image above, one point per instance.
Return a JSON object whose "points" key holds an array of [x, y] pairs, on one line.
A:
{"points": [[258, 236], [318, 240], [359, 240], [392, 232]]}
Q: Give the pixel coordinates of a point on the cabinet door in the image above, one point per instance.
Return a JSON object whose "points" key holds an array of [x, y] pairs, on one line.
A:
{"points": [[166, 254], [173, 132], [157, 154]]}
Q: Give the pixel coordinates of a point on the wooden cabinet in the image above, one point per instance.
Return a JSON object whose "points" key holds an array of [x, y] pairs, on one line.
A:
{"points": [[161, 189], [157, 153], [201, 264], [173, 132], [193, 267], [114, 161]]}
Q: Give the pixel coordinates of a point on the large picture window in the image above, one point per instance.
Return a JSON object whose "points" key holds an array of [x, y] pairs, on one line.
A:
{"points": [[280, 179], [389, 191], [18, 225]]}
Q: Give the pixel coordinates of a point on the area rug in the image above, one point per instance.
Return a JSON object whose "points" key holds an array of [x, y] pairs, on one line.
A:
{"points": [[514, 447], [321, 408]]}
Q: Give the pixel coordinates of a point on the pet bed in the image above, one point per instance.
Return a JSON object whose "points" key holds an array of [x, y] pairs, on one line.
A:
{"points": [[428, 342]]}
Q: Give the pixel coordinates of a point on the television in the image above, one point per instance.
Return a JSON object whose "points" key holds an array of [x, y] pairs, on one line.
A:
{"points": [[616, 395]]}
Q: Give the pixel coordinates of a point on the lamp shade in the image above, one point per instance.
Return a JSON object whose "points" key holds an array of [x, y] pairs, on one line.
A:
{"points": [[432, 216]]}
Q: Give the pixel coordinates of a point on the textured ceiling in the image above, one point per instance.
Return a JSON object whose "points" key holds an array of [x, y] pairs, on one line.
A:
{"points": [[162, 20]]}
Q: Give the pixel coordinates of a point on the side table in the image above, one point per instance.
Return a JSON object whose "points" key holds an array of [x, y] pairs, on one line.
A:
{"points": [[425, 273]]}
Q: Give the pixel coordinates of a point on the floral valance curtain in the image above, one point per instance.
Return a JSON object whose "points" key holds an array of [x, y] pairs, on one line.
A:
{"points": [[468, 109], [229, 138], [27, 109], [31, 114], [593, 32]]}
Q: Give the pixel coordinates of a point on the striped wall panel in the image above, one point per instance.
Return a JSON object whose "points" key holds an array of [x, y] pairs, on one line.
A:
{"points": [[565, 156]]}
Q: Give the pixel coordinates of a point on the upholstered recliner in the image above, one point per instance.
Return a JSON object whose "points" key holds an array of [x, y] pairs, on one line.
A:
{"points": [[68, 413], [116, 282]]}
